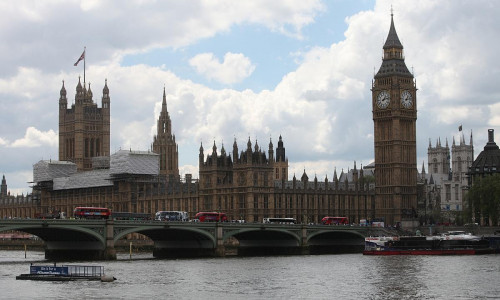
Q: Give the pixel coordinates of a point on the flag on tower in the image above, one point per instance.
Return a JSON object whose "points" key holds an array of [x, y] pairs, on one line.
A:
{"points": [[82, 57], [460, 127]]}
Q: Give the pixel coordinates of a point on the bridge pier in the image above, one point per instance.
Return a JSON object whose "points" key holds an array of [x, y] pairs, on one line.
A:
{"points": [[109, 250], [220, 250]]}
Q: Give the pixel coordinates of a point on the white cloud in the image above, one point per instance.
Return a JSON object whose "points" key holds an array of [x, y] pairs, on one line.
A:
{"points": [[233, 69], [36, 138]]}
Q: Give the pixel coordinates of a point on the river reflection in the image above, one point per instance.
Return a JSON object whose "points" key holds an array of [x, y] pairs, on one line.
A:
{"points": [[346, 276]]}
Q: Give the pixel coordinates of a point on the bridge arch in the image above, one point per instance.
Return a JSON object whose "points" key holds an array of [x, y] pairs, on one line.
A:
{"points": [[161, 233], [53, 231], [260, 232], [353, 233]]}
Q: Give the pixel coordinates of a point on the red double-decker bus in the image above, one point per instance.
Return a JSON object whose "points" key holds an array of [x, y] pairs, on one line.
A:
{"points": [[335, 221], [92, 213], [211, 217]]}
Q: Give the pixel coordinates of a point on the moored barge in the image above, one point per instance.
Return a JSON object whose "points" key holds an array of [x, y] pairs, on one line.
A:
{"points": [[451, 243]]}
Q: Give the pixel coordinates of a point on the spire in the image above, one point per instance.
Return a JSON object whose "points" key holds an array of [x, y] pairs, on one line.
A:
{"points": [[164, 103], [423, 169], [430, 146], [393, 61], [63, 91], [304, 176], [471, 137], [392, 38], [89, 93], [105, 90], [222, 150], [79, 85]]}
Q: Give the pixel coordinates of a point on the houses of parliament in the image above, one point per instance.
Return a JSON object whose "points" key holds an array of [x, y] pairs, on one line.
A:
{"points": [[250, 182]]}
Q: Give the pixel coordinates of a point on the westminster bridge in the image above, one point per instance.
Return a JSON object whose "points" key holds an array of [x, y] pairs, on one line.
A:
{"points": [[96, 239]]}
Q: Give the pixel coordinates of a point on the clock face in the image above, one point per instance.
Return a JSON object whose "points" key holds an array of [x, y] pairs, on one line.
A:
{"points": [[406, 99], [383, 99]]}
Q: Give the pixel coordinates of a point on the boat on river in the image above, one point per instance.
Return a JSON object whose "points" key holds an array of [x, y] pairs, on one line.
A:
{"points": [[449, 243], [66, 273]]}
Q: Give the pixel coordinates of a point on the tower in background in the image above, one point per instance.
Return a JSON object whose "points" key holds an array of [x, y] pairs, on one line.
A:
{"points": [[84, 129], [164, 144]]}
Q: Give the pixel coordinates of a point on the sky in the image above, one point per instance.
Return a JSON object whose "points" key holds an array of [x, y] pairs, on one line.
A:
{"points": [[244, 70]]}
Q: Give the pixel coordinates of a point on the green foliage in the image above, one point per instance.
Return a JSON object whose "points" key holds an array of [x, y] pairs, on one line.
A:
{"points": [[483, 199], [369, 178]]}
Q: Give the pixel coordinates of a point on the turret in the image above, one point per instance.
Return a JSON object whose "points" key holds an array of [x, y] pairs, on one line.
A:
{"points": [[235, 152], [201, 156], [271, 151], [106, 101], [63, 101]]}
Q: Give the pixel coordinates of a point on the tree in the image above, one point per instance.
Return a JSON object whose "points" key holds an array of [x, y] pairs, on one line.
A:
{"points": [[483, 200]]}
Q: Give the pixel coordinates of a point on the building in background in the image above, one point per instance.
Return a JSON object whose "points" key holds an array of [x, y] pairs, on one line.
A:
{"points": [[446, 180], [484, 201]]}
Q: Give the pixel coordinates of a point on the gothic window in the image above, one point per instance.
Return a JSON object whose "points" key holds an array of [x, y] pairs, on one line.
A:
{"points": [[255, 201], [86, 147], [277, 173], [207, 204], [459, 159], [448, 192], [435, 165], [242, 201]]}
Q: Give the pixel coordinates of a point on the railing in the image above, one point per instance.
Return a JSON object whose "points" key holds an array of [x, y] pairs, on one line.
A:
{"points": [[86, 271]]}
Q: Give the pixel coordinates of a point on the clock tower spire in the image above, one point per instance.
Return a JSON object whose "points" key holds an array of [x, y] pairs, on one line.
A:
{"points": [[394, 116]]}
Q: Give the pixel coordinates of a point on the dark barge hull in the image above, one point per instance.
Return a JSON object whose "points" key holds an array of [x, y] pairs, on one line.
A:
{"points": [[56, 277], [430, 252], [423, 246]]}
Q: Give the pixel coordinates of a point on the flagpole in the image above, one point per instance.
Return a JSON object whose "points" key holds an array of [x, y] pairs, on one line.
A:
{"points": [[84, 54]]}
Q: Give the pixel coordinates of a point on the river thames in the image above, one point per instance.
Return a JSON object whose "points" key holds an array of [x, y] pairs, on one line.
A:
{"points": [[341, 276]]}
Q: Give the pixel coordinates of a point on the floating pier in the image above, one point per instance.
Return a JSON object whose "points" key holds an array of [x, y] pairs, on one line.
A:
{"points": [[66, 273]]}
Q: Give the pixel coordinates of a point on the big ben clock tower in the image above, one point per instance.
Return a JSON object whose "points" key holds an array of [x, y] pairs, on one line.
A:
{"points": [[394, 103]]}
